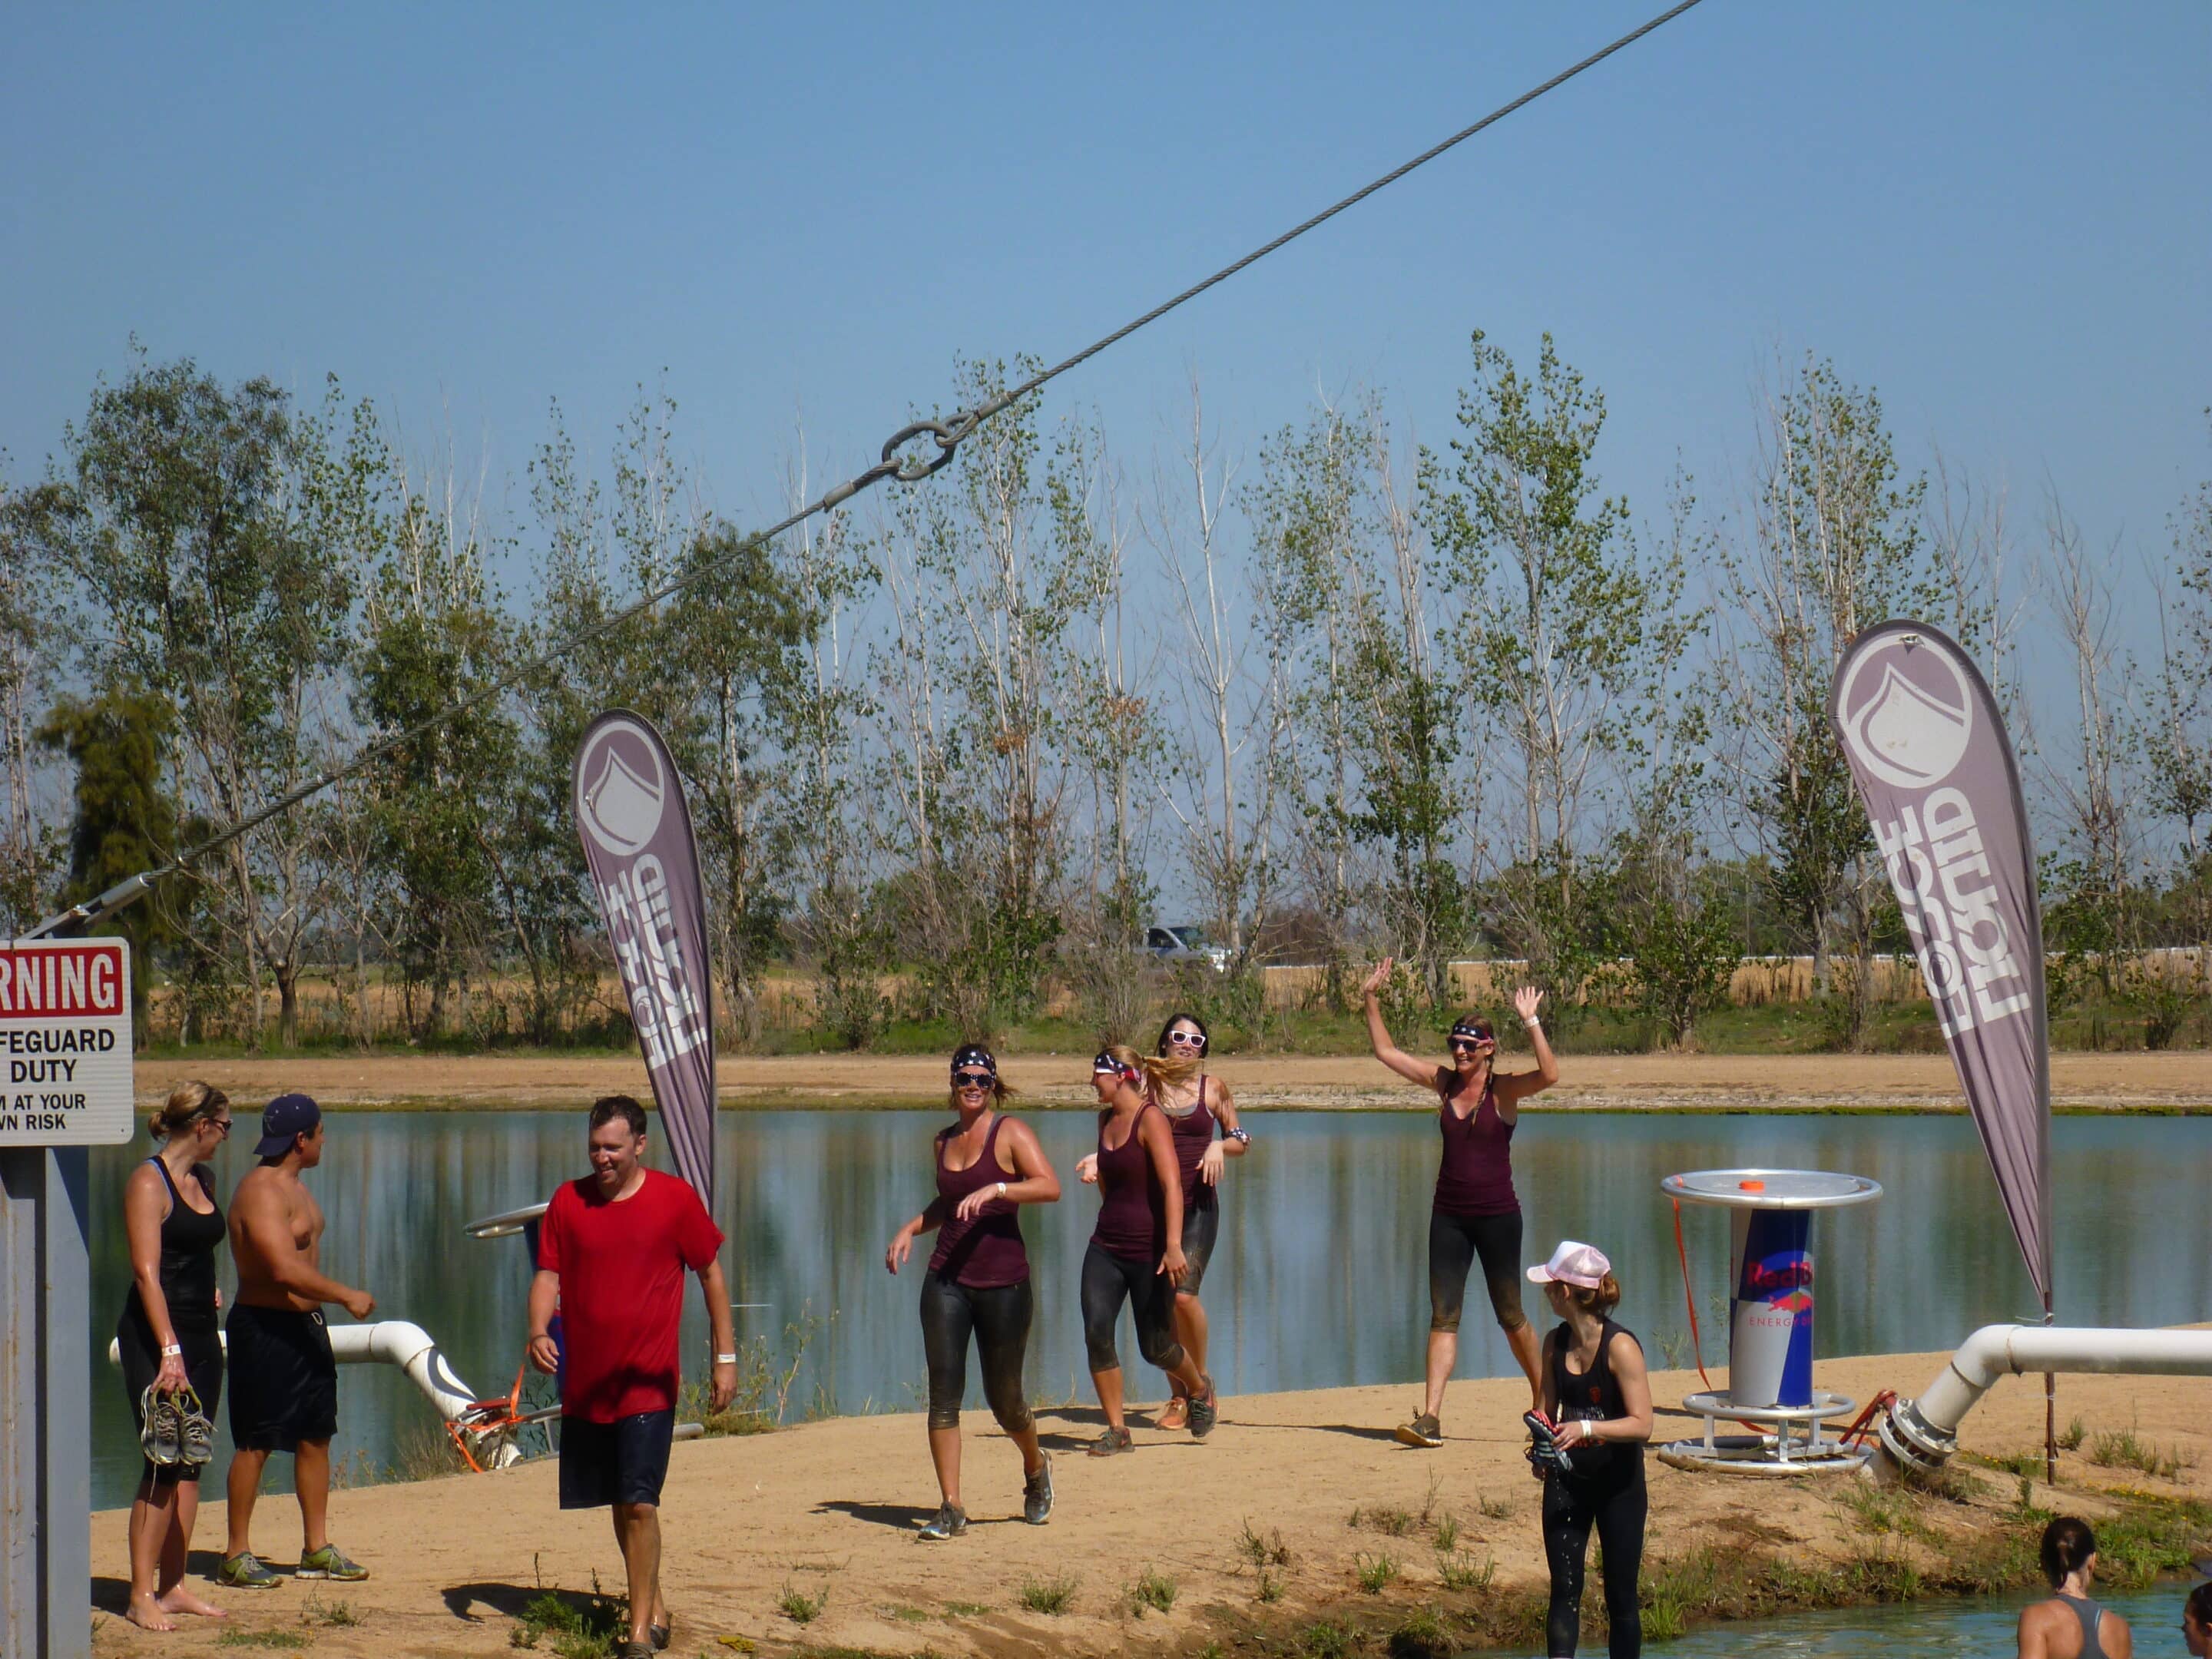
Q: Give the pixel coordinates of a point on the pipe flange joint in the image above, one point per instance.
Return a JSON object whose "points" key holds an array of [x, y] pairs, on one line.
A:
{"points": [[1909, 1438]]}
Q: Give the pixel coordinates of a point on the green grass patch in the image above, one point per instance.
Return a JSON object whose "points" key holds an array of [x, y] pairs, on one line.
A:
{"points": [[1053, 1595], [571, 1624], [2124, 1448], [238, 1637], [964, 1609], [1152, 1591], [1376, 1572], [797, 1605]]}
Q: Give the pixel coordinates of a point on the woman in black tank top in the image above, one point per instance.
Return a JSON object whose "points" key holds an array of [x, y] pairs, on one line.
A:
{"points": [[1597, 1397], [166, 1336]]}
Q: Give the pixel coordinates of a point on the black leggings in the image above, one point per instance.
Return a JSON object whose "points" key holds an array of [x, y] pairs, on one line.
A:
{"points": [[1454, 1241], [1000, 1318], [1106, 1280], [1616, 1507]]}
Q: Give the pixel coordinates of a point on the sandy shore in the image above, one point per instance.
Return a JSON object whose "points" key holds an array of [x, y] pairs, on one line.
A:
{"points": [[2171, 1081], [830, 1508]]}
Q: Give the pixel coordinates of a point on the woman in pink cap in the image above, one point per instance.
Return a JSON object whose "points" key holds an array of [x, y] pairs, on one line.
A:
{"points": [[1590, 1444]]}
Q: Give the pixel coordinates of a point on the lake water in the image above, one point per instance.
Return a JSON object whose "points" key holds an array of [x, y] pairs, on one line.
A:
{"points": [[1979, 1628], [1320, 1280]]}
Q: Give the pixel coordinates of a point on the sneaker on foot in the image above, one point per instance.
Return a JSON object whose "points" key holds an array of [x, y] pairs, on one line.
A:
{"points": [[1205, 1410], [1176, 1415], [635, 1650], [949, 1521], [1037, 1495], [1111, 1441], [660, 1636], [328, 1562], [243, 1570], [1423, 1431]]}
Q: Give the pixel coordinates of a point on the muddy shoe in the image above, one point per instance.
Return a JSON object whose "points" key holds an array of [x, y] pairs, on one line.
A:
{"points": [[949, 1521], [244, 1571], [1423, 1431], [329, 1562], [1037, 1495], [195, 1434], [1205, 1410], [1111, 1442], [1176, 1415]]}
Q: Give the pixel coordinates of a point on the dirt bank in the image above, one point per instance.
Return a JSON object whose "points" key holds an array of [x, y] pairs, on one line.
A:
{"points": [[829, 1509], [2165, 1081]]}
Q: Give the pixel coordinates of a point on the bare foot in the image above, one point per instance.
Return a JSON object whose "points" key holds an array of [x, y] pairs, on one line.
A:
{"points": [[146, 1613], [180, 1600]]}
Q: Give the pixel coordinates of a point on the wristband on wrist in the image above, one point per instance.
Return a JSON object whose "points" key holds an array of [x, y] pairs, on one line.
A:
{"points": [[1532, 1024], [1241, 1137], [726, 1359], [172, 1350]]}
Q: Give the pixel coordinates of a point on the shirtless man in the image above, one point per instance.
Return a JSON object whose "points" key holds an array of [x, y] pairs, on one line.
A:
{"points": [[284, 1384]]}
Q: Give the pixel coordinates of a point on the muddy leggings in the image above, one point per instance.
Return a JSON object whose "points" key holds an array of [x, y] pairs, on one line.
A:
{"points": [[1106, 1279], [1615, 1506], [999, 1318], [1454, 1241]]}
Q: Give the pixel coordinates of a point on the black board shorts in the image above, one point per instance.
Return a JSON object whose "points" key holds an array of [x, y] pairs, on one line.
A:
{"points": [[283, 1382], [624, 1462], [140, 1356]]}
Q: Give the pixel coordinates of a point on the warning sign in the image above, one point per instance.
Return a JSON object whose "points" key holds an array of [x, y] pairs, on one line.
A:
{"points": [[65, 1040]]}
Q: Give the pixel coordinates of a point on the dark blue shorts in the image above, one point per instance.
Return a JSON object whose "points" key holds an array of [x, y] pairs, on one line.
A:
{"points": [[624, 1462]]}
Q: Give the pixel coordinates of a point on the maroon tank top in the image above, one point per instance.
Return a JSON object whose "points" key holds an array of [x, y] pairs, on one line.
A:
{"points": [[1194, 1133], [1476, 1176], [986, 1253], [1133, 1217]]}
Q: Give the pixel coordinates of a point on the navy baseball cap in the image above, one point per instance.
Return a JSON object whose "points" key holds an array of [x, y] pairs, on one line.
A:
{"points": [[282, 1120]]}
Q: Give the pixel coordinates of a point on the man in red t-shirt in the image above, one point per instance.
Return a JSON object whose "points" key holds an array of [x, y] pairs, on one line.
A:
{"points": [[611, 1254]]}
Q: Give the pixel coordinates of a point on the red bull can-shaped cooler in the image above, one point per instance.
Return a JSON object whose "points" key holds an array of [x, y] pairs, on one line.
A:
{"points": [[1770, 1294]]}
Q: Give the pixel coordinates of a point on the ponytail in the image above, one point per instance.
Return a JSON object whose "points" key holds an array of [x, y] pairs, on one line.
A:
{"points": [[187, 1104]]}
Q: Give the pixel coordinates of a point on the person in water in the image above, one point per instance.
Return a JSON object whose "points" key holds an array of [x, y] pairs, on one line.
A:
{"points": [[1196, 1106], [167, 1336], [1475, 1213], [1596, 1416], [2197, 1621], [2071, 1625], [978, 1281], [1136, 1250]]}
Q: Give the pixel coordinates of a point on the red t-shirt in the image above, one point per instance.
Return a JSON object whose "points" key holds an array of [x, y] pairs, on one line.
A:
{"points": [[621, 1266]]}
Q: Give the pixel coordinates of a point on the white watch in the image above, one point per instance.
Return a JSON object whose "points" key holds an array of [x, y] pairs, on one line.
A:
{"points": [[1002, 1189]]}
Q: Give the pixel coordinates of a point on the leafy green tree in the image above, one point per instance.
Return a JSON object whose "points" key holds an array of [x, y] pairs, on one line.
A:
{"points": [[186, 517], [1835, 545], [32, 637], [123, 817]]}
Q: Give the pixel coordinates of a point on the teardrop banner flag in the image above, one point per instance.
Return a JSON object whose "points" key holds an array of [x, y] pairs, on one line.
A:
{"points": [[637, 831], [1937, 774]]}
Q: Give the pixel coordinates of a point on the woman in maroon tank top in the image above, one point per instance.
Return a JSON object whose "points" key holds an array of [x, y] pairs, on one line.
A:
{"points": [[978, 1281], [1476, 1212], [1136, 1251], [1202, 1117]]}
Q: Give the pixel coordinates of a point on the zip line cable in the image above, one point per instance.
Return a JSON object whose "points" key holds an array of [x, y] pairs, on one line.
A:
{"points": [[948, 432]]}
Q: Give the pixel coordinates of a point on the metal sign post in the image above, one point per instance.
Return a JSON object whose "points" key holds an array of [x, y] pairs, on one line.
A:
{"points": [[65, 1046]]}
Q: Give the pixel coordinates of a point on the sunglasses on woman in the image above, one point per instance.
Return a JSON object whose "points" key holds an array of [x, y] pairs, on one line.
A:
{"points": [[1187, 1039], [971, 1080], [1472, 1045]]}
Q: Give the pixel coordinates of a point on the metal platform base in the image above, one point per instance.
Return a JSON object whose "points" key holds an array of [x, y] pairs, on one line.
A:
{"points": [[1796, 1446]]}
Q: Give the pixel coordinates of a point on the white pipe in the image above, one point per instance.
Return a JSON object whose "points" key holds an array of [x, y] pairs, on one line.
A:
{"points": [[1924, 1431], [396, 1342]]}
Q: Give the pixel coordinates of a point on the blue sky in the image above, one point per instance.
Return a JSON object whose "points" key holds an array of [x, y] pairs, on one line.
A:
{"points": [[1995, 214]]}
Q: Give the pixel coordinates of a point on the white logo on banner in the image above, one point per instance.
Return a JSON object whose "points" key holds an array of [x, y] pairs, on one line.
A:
{"points": [[621, 806], [1905, 734]]}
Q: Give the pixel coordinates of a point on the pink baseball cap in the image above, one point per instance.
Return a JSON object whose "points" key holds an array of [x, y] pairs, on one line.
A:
{"points": [[1584, 1265]]}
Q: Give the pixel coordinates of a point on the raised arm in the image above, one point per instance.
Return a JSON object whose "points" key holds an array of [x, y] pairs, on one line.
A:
{"points": [[1378, 1033], [1158, 1142], [1521, 1084]]}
